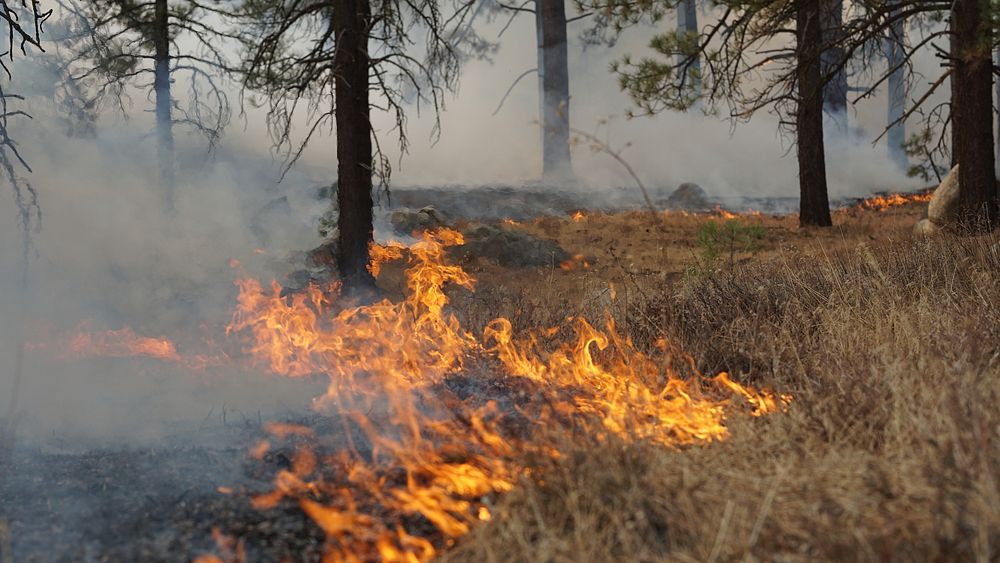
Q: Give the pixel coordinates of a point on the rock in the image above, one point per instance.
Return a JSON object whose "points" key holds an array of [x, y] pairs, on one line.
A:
{"points": [[943, 208], [324, 255], [511, 248], [689, 197], [406, 221], [925, 228]]}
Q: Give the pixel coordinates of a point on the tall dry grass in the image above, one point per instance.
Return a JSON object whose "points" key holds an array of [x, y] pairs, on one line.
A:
{"points": [[890, 451]]}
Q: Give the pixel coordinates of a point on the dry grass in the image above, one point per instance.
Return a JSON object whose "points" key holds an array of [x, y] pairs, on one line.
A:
{"points": [[890, 452]]}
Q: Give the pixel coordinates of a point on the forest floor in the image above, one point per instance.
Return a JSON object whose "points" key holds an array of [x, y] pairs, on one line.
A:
{"points": [[890, 450]]}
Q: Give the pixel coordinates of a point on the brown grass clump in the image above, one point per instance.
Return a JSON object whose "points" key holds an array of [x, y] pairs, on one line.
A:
{"points": [[890, 451]]}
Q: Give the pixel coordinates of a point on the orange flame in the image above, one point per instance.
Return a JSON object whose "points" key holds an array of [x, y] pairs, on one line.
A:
{"points": [[427, 453], [882, 203], [383, 362]]}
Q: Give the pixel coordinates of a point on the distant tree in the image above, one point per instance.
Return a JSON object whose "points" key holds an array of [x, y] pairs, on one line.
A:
{"points": [[833, 69], [687, 23], [746, 64], [895, 47], [320, 61], [553, 81], [966, 119], [128, 41], [553, 72], [24, 22]]}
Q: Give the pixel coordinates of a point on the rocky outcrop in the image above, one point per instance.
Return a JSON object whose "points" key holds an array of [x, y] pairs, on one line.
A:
{"points": [[925, 228], [943, 208], [406, 221], [511, 248], [689, 197]]}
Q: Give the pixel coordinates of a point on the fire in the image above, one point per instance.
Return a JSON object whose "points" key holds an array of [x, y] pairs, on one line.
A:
{"points": [[121, 343], [434, 456], [413, 465], [578, 216], [718, 210], [882, 203], [575, 262]]}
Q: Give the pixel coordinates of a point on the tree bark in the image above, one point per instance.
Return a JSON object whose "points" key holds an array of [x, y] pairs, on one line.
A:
{"points": [[553, 77], [354, 143], [996, 139], [687, 22], [896, 136], [814, 204], [972, 115], [161, 88], [832, 64]]}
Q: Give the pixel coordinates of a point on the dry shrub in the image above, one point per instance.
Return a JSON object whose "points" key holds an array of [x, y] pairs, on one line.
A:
{"points": [[890, 452]]}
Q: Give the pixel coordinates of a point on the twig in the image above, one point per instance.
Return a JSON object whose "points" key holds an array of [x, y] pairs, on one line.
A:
{"points": [[617, 156], [512, 85]]}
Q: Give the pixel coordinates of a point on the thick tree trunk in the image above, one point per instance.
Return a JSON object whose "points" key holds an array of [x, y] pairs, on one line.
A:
{"points": [[161, 88], [972, 115], [814, 204], [996, 139], [354, 143], [687, 22], [553, 78], [896, 136], [832, 65]]}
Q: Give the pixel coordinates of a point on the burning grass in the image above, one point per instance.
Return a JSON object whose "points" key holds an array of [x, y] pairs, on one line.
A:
{"points": [[889, 452], [568, 422]]}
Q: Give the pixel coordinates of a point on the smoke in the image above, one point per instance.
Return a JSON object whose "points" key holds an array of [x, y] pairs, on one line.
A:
{"points": [[110, 253], [751, 159]]}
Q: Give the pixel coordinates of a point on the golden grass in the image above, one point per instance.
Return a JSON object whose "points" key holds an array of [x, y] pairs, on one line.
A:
{"points": [[890, 451]]}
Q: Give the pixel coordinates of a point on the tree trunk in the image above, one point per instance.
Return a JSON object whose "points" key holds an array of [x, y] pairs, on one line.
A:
{"points": [[687, 22], [161, 88], [996, 139], [972, 115], [553, 78], [896, 136], [814, 205], [832, 64], [354, 143]]}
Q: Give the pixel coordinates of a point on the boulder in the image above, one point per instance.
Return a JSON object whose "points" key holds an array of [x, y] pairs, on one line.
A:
{"points": [[925, 228], [406, 221], [510, 248], [689, 197], [943, 208]]}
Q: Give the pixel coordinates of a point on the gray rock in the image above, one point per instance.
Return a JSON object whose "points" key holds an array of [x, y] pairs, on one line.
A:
{"points": [[406, 221], [943, 208], [925, 228], [689, 197], [511, 248]]}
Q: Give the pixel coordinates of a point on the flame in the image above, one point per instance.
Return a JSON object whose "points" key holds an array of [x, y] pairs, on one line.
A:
{"points": [[414, 466], [578, 216], [575, 262], [718, 210], [86, 342], [438, 457], [882, 203]]}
